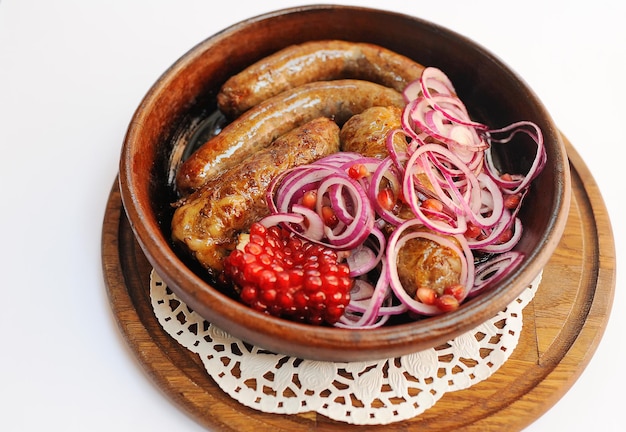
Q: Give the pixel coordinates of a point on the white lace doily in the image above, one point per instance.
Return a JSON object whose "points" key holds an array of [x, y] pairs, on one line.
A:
{"points": [[362, 393]]}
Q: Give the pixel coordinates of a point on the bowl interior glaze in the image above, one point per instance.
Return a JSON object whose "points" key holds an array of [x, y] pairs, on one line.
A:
{"points": [[182, 101]]}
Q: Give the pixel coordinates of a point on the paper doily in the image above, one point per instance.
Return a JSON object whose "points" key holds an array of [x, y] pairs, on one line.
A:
{"points": [[362, 393]]}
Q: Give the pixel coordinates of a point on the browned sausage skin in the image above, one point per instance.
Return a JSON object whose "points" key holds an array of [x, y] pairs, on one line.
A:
{"points": [[259, 126], [315, 61], [366, 133], [208, 221], [424, 263]]}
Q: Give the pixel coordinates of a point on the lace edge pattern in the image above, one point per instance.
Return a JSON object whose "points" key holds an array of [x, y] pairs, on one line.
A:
{"points": [[360, 393]]}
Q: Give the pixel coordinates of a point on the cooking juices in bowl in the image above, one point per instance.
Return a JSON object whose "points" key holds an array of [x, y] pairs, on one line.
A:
{"points": [[180, 112]]}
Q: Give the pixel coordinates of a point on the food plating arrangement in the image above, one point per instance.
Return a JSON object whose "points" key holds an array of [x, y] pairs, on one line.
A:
{"points": [[350, 186], [359, 197]]}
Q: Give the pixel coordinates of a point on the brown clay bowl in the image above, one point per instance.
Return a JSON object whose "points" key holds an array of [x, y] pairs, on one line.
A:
{"points": [[182, 102]]}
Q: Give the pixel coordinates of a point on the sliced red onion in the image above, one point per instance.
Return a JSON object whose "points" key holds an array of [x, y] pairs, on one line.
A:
{"points": [[435, 79], [365, 257], [336, 160], [282, 218], [447, 157], [295, 183], [312, 227], [409, 190], [421, 115], [361, 260], [362, 222], [497, 247], [494, 269], [369, 307], [521, 182], [386, 172]]}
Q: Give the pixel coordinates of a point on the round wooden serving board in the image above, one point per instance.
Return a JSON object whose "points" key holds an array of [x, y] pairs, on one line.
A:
{"points": [[563, 326]]}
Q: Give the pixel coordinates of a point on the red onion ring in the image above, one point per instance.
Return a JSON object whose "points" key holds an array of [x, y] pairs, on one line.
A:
{"points": [[361, 217], [539, 161], [494, 269]]}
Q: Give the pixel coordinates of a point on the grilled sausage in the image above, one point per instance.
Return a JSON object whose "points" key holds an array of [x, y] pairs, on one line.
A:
{"points": [[208, 221], [315, 61], [366, 133], [259, 126], [425, 263]]}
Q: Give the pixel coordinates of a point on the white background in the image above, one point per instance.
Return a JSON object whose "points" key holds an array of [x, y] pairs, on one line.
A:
{"points": [[72, 74]]}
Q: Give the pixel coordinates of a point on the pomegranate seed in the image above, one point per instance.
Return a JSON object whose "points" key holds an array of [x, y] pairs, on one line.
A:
{"points": [[506, 235], [317, 299], [426, 295], [386, 199], [455, 290], [301, 300], [337, 298], [283, 281], [345, 284], [294, 244], [236, 257], [316, 319], [335, 312], [247, 258], [512, 201], [251, 271], [432, 204], [329, 269], [290, 277], [343, 270], [274, 232], [331, 281], [358, 171], [248, 293], [254, 248], [266, 260], [268, 296], [258, 229], [285, 301], [260, 306], [472, 231], [313, 283], [329, 217], [266, 281], [309, 199], [447, 303]]}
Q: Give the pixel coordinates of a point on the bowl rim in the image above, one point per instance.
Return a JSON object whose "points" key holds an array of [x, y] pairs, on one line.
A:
{"points": [[172, 269]]}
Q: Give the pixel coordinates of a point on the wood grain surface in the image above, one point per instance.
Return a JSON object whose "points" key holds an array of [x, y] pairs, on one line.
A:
{"points": [[563, 326]]}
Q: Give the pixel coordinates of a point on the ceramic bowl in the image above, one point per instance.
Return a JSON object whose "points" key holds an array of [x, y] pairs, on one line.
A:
{"points": [[182, 102]]}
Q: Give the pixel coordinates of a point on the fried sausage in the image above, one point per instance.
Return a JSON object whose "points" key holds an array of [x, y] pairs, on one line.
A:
{"points": [[366, 133], [208, 221], [315, 61], [259, 126], [425, 263]]}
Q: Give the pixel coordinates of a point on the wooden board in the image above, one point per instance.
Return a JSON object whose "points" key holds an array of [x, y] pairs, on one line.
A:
{"points": [[563, 326]]}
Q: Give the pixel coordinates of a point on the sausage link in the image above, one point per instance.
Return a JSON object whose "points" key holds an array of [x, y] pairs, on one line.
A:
{"points": [[261, 125], [366, 133], [208, 221], [315, 61], [424, 263]]}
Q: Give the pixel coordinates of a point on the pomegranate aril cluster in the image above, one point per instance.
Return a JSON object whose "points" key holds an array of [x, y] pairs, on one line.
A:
{"points": [[279, 273]]}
